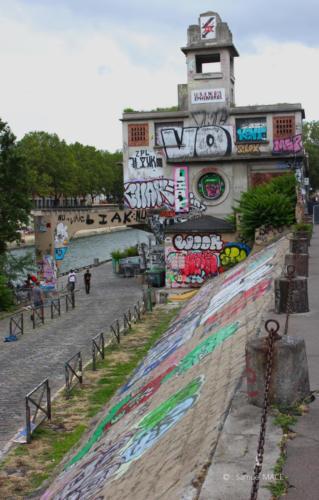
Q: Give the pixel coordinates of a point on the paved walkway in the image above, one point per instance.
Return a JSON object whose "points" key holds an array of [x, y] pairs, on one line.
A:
{"points": [[303, 452], [42, 352]]}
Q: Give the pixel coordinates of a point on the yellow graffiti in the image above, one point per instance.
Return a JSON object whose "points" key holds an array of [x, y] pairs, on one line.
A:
{"points": [[248, 148], [232, 255]]}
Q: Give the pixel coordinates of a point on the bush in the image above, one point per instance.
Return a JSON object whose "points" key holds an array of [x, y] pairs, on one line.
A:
{"points": [[127, 252], [271, 204], [6, 294]]}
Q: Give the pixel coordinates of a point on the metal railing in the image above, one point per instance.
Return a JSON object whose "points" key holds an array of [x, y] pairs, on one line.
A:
{"points": [[42, 403], [16, 325], [98, 349], [37, 315], [127, 322], [69, 301], [55, 307], [115, 330], [73, 373]]}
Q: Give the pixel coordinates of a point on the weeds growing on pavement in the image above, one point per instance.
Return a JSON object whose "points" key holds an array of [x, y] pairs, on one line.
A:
{"points": [[26, 467], [286, 418]]}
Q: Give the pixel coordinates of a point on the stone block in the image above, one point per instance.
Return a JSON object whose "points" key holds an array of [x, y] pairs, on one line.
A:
{"points": [[297, 296], [300, 261], [289, 380]]}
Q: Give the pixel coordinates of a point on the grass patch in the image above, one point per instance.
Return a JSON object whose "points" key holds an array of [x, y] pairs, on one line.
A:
{"points": [[53, 440], [286, 418]]}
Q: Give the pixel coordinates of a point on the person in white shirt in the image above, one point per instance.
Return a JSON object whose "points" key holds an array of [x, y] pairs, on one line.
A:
{"points": [[71, 280]]}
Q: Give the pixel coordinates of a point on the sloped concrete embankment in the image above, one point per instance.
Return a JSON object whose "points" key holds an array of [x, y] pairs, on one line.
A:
{"points": [[158, 434]]}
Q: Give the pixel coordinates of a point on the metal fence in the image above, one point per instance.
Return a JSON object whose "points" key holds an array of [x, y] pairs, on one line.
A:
{"points": [[16, 325], [39, 400], [98, 349], [73, 373]]}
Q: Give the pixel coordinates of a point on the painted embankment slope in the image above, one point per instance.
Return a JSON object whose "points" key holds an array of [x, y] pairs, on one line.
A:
{"points": [[159, 431]]}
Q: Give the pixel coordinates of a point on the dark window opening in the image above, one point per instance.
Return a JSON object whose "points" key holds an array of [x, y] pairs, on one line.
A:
{"points": [[208, 63]]}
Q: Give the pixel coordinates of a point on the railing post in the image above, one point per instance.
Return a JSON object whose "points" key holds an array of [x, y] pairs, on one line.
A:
{"points": [[28, 420], [93, 356], [67, 382], [59, 306], [42, 314], [80, 368], [66, 303], [103, 345], [52, 310], [48, 400], [33, 317], [73, 299]]}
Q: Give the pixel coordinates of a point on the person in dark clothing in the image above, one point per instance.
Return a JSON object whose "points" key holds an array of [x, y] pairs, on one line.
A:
{"points": [[87, 280]]}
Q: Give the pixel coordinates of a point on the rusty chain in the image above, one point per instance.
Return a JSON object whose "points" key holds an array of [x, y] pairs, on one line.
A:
{"points": [[290, 274], [272, 337]]}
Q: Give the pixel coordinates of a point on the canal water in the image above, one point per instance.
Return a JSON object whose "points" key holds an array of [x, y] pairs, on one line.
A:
{"points": [[83, 251]]}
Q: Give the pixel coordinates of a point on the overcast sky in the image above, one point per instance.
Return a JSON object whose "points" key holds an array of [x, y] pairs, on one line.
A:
{"points": [[72, 66]]}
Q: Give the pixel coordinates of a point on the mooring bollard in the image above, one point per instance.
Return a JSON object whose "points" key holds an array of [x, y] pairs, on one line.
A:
{"points": [[298, 245], [289, 382], [291, 293], [300, 261]]}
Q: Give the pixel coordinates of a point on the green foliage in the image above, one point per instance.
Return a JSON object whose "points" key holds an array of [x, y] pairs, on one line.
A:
{"points": [[311, 144], [127, 252], [15, 204], [271, 204], [56, 168], [6, 294], [303, 227], [285, 421]]}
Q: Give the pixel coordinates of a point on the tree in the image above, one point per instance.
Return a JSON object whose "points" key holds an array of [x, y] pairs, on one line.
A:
{"points": [[15, 203], [311, 143], [50, 163]]}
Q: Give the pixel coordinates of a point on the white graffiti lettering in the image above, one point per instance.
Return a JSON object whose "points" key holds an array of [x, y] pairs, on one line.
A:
{"points": [[149, 194], [198, 242], [145, 159], [196, 141], [195, 203]]}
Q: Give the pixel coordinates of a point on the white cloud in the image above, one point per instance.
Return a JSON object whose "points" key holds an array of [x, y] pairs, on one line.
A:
{"points": [[76, 82]]}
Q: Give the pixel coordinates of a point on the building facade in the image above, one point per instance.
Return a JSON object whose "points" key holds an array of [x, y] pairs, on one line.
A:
{"points": [[200, 156], [208, 151]]}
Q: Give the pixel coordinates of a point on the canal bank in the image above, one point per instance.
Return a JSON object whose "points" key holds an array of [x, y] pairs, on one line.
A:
{"points": [[42, 352]]}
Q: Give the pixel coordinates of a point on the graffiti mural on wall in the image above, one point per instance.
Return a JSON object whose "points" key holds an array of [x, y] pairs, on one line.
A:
{"points": [[110, 460], [189, 268], [218, 117], [248, 149], [195, 203], [211, 186], [181, 189], [47, 272], [61, 241], [187, 142], [251, 130], [198, 242], [145, 163], [233, 253], [289, 145], [155, 193]]}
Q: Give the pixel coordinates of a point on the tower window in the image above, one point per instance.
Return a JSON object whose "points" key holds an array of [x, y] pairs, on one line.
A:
{"points": [[284, 126], [208, 63], [138, 135]]}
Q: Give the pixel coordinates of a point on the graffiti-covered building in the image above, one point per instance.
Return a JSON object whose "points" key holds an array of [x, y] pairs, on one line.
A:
{"points": [[200, 156]]}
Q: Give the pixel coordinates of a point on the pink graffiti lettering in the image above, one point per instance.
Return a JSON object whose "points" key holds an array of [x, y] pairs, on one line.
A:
{"points": [[288, 145]]}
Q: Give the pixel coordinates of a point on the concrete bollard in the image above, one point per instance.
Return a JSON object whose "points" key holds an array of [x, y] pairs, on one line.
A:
{"points": [[96, 261], [300, 261], [292, 294], [290, 378], [298, 245]]}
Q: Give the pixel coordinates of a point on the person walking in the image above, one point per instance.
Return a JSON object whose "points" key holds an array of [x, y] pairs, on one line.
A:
{"points": [[38, 299], [71, 280], [87, 280]]}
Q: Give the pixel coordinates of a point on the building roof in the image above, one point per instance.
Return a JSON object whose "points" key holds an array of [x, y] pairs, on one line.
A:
{"points": [[204, 224], [235, 110], [208, 47]]}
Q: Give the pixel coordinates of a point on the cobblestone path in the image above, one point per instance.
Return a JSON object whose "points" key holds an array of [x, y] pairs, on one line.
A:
{"points": [[41, 353]]}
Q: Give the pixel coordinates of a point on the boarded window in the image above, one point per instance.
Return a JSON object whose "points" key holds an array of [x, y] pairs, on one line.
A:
{"points": [[284, 126], [138, 135]]}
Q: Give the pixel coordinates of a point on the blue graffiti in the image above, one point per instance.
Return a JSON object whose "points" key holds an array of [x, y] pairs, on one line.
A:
{"points": [[252, 134]]}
